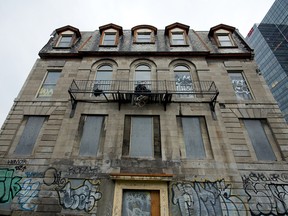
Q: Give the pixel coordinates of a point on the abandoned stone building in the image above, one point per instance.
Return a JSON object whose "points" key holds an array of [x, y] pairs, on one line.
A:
{"points": [[144, 121]]}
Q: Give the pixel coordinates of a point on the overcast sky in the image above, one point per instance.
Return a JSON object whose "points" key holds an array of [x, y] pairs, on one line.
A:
{"points": [[26, 26]]}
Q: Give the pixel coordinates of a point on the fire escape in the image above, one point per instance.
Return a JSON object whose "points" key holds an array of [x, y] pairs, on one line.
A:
{"points": [[140, 93]]}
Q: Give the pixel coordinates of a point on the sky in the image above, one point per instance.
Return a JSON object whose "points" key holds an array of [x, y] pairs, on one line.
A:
{"points": [[26, 26]]}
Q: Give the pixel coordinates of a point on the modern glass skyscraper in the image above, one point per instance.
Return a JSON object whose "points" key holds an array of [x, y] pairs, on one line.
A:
{"points": [[269, 39]]}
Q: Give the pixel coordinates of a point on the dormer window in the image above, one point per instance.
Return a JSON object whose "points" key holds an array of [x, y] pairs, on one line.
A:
{"points": [[144, 34], [222, 35], [65, 41], [178, 34], [67, 37], [110, 35], [178, 38], [224, 40], [109, 39]]}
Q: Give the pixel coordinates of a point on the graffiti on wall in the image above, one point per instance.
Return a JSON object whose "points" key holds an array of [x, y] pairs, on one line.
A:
{"points": [[81, 198], [9, 185], [28, 193], [268, 193], [206, 198], [84, 197]]}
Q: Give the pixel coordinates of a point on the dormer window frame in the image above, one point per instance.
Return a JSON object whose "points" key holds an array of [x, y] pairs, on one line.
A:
{"points": [[59, 41], [226, 31], [219, 41], [177, 29], [110, 29], [65, 32], [172, 38], [149, 31]]}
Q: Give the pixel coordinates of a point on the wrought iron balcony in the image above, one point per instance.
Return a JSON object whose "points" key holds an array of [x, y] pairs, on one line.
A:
{"points": [[142, 92]]}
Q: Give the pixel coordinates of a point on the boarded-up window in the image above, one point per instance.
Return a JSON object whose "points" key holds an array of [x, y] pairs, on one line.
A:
{"points": [[29, 135], [257, 131], [140, 202], [195, 136], [91, 135], [142, 136]]}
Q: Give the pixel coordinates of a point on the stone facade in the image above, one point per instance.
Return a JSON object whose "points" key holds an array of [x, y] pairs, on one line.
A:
{"points": [[61, 177]]}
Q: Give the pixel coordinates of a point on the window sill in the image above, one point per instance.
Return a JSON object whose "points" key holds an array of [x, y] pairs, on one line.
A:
{"points": [[227, 47], [108, 45], [182, 45]]}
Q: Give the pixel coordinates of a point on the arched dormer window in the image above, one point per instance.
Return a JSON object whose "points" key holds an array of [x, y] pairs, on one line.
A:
{"points": [[222, 34], [110, 34], [67, 36], [144, 34], [178, 34]]}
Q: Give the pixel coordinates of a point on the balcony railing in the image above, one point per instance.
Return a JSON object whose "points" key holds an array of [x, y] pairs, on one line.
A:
{"points": [[160, 91]]}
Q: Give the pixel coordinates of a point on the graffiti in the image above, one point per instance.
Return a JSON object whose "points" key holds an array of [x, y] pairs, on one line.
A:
{"points": [[82, 198], [261, 177], [34, 174], [17, 162], [9, 186], [84, 170], [53, 177], [20, 168], [268, 194], [29, 191], [206, 198]]}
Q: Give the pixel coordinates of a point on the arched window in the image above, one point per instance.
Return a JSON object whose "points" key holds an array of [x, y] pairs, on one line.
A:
{"points": [[183, 79], [143, 73], [103, 79]]}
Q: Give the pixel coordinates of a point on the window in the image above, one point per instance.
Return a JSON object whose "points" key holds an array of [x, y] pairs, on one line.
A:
{"points": [[261, 138], [30, 134], [49, 84], [183, 81], [91, 135], [178, 38], [65, 41], [141, 202], [143, 73], [144, 197], [240, 86], [109, 39], [224, 40], [142, 136], [195, 136], [143, 37], [103, 78]]}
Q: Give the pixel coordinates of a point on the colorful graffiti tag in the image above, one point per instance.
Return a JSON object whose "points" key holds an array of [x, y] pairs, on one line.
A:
{"points": [[9, 185], [29, 192], [206, 198], [268, 194]]}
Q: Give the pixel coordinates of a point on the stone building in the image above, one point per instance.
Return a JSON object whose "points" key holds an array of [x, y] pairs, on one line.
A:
{"points": [[144, 121]]}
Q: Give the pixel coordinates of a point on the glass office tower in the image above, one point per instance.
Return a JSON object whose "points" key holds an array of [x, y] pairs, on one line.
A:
{"points": [[269, 39]]}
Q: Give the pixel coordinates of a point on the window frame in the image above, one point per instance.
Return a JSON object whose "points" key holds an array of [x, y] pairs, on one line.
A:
{"points": [[61, 36], [183, 33], [24, 127], [101, 137], [218, 41], [151, 39], [122, 185], [109, 32], [206, 141], [43, 83], [268, 133], [238, 96], [156, 137]]}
